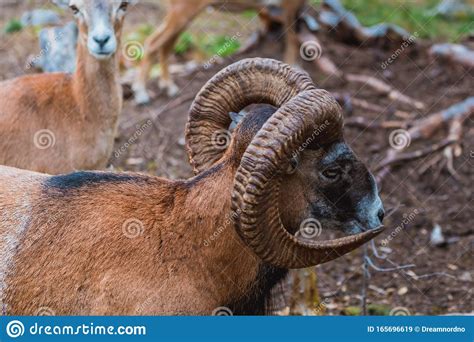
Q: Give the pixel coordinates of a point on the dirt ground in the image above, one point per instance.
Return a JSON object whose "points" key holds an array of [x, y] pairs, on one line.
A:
{"points": [[441, 281]]}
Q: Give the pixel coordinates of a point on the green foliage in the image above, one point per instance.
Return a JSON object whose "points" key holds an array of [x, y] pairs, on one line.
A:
{"points": [[141, 33], [145, 30], [184, 44], [372, 310], [414, 16], [378, 310], [222, 46], [14, 25], [208, 45], [249, 14], [352, 311]]}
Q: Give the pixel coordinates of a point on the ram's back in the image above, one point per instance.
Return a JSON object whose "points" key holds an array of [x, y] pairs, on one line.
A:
{"points": [[86, 229], [18, 192]]}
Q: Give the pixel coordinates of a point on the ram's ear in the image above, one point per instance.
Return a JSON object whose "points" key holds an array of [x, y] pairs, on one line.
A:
{"points": [[236, 118], [62, 3]]}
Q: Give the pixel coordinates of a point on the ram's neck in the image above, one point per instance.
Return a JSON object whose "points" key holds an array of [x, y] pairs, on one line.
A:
{"points": [[210, 195], [229, 268]]}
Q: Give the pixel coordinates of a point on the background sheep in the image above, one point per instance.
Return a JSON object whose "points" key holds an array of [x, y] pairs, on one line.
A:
{"points": [[59, 122], [180, 14]]}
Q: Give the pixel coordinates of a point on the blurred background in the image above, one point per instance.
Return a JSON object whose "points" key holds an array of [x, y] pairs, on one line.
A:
{"points": [[423, 263]]}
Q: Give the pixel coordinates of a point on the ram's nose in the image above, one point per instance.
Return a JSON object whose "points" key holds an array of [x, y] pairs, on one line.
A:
{"points": [[375, 215], [381, 215], [370, 212]]}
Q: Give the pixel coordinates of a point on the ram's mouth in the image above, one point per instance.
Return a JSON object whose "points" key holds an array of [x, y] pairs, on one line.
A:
{"points": [[353, 227], [349, 227]]}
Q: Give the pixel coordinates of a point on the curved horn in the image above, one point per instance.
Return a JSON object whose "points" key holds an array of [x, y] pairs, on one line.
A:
{"points": [[255, 80], [257, 182]]}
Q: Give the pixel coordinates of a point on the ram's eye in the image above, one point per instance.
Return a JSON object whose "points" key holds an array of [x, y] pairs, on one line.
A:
{"points": [[293, 165], [332, 173], [123, 6], [74, 9]]}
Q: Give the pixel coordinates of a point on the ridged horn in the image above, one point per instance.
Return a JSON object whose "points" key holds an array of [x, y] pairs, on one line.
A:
{"points": [[255, 197], [255, 80]]}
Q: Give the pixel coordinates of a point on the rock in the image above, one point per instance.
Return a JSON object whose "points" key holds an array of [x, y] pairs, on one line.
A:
{"points": [[64, 4], [385, 250], [135, 161], [437, 238], [40, 17], [378, 290], [57, 49], [465, 276], [346, 25], [402, 291], [452, 9], [455, 52], [384, 29]]}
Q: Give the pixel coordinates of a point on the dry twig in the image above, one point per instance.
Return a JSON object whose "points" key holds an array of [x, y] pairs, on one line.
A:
{"points": [[385, 89]]}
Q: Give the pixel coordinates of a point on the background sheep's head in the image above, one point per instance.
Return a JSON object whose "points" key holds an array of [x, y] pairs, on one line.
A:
{"points": [[100, 23], [291, 161]]}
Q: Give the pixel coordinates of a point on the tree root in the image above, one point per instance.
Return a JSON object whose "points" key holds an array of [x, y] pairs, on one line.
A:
{"points": [[385, 89], [311, 50], [424, 129], [349, 102]]}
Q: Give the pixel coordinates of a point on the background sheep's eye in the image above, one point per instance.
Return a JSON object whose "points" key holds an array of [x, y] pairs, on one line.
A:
{"points": [[74, 9], [123, 6], [332, 173]]}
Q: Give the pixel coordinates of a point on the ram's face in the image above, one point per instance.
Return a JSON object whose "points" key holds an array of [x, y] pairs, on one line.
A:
{"points": [[100, 23], [329, 188]]}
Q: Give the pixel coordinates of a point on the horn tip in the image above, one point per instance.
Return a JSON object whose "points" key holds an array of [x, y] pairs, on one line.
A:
{"points": [[376, 231]]}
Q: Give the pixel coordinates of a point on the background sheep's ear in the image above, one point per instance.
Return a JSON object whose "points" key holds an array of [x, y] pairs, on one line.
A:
{"points": [[62, 3]]}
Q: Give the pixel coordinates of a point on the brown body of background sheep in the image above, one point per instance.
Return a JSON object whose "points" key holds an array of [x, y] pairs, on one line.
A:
{"points": [[58, 122]]}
